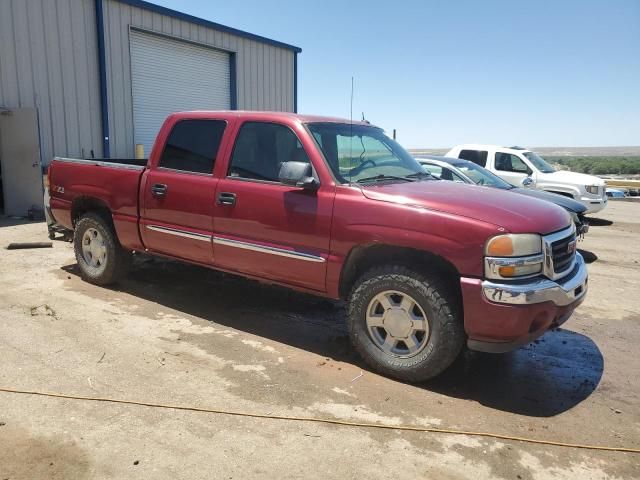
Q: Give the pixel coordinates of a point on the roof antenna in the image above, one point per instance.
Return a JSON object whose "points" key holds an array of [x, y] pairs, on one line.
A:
{"points": [[351, 104], [351, 132]]}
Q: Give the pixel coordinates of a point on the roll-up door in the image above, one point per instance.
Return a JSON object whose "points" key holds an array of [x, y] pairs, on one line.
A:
{"points": [[171, 75]]}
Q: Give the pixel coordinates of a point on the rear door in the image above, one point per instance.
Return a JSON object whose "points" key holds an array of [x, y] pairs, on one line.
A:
{"points": [[178, 194], [262, 227]]}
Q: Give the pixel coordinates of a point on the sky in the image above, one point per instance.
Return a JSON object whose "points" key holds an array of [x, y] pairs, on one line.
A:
{"points": [[533, 73]]}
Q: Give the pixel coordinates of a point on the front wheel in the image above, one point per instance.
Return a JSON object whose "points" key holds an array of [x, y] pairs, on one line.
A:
{"points": [[404, 324], [101, 258]]}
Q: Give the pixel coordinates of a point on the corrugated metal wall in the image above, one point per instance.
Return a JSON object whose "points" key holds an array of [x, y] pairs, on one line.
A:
{"points": [[48, 59], [48, 52], [264, 72]]}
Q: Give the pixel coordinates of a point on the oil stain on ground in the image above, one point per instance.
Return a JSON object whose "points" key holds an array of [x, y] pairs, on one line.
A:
{"points": [[27, 456]]}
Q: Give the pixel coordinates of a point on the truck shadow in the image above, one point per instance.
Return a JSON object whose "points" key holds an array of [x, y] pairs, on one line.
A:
{"points": [[599, 222], [589, 257], [543, 379], [6, 221]]}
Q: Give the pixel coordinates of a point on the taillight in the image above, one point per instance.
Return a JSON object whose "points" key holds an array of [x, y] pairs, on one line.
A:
{"points": [[47, 177]]}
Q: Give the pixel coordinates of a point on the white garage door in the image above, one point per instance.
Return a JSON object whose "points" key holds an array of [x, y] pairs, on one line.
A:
{"points": [[170, 76]]}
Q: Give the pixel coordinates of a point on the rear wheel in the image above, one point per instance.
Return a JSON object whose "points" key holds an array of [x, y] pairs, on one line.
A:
{"points": [[404, 324], [100, 257]]}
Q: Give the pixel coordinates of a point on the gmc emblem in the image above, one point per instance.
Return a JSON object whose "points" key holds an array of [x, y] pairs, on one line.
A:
{"points": [[571, 246]]}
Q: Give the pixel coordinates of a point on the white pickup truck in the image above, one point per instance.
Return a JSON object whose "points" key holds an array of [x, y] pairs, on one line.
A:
{"points": [[522, 167]]}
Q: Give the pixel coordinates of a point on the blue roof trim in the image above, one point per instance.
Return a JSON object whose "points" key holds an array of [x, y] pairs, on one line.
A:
{"points": [[295, 82], [233, 94], [102, 72], [206, 23]]}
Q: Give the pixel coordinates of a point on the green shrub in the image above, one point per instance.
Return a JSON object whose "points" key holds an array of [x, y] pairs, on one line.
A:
{"points": [[599, 165]]}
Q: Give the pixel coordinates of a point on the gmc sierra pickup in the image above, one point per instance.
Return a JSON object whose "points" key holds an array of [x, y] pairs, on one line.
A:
{"points": [[338, 209]]}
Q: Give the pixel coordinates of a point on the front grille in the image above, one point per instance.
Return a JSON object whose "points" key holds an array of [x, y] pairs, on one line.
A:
{"points": [[562, 254]]}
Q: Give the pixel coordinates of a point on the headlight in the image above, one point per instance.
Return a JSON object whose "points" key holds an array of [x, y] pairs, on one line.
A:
{"points": [[592, 189], [514, 245], [513, 255]]}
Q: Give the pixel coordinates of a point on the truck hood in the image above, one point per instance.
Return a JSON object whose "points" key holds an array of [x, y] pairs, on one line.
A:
{"points": [[571, 178], [565, 202], [515, 213]]}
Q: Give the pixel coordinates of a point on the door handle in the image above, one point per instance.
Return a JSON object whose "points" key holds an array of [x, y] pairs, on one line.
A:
{"points": [[226, 198], [159, 190]]}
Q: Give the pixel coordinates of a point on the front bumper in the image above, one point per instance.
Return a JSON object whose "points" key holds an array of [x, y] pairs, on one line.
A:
{"points": [[582, 229], [593, 204], [561, 293], [500, 317], [582, 226]]}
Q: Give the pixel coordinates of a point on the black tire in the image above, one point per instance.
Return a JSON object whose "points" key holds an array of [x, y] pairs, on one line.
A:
{"points": [[446, 335], [117, 260]]}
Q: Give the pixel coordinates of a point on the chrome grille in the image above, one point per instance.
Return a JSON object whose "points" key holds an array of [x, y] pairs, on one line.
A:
{"points": [[559, 252], [563, 252]]}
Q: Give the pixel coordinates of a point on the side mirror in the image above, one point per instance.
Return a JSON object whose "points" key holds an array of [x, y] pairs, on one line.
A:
{"points": [[298, 174], [527, 181]]}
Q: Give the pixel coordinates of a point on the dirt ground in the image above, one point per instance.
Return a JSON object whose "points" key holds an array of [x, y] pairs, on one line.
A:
{"points": [[174, 333]]}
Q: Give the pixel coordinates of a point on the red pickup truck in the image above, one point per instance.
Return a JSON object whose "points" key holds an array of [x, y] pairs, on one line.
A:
{"points": [[338, 209]]}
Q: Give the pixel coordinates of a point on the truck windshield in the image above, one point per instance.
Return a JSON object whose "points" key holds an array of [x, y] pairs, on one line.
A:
{"points": [[359, 152], [539, 162], [482, 176]]}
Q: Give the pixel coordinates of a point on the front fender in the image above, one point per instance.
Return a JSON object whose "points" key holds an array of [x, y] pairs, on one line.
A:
{"points": [[457, 239], [553, 187]]}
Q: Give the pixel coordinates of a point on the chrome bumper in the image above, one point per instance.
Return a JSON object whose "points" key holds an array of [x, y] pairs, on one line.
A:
{"points": [[562, 292]]}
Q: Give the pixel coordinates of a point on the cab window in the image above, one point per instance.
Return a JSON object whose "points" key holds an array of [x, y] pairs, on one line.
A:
{"points": [[479, 157], [434, 170], [192, 146], [506, 162], [443, 173], [260, 150], [457, 178]]}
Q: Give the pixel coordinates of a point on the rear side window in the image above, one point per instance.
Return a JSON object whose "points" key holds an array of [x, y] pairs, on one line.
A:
{"points": [[260, 150], [192, 146], [507, 162], [479, 157]]}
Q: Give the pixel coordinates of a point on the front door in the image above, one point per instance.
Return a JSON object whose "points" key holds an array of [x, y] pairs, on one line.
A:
{"points": [[264, 228], [179, 193], [20, 170], [511, 168]]}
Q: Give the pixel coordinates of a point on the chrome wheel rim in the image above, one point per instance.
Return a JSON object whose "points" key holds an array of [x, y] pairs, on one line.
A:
{"points": [[94, 250], [397, 324]]}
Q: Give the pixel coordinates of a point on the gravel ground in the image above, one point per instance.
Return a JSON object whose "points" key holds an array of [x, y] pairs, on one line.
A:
{"points": [[180, 334]]}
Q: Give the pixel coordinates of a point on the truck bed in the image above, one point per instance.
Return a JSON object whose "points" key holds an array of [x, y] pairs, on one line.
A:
{"points": [[132, 162], [113, 183]]}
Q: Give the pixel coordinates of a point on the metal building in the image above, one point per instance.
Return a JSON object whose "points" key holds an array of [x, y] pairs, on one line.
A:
{"points": [[86, 78]]}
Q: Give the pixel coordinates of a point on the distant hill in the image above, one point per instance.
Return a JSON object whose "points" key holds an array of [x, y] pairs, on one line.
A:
{"points": [[589, 151], [557, 151], [594, 160]]}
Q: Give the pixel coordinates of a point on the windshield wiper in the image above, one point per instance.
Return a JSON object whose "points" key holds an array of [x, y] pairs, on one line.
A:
{"points": [[421, 175], [382, 177]]}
